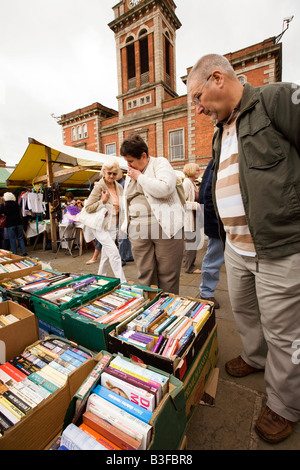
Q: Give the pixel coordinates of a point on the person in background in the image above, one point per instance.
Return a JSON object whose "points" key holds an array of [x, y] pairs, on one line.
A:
{"points": [[97, 251], [153, 216], [108, 192], [11, 210], [214, 256], [191, 172], [256, 191], [69, 198]]}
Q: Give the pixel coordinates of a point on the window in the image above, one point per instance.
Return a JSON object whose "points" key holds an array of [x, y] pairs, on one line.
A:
{"points": [[79, 132], [176, 145], [84, 130], [167, 56], [74, 134], [242, 79], [110, 149], [144, 55], [130, 61]]}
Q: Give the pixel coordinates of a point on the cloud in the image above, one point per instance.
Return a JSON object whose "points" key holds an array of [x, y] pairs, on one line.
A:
{"points": [[60, 55]]}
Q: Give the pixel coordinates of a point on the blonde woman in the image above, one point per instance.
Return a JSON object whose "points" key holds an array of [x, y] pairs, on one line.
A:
{"points": [[191, 172], [108, 192]]}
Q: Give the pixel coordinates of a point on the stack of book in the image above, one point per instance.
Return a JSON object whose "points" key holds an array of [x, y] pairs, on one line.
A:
{"points": [[17, 265], [168, 325], [115, 306], [7, 320], [28, 379], [118, 411], [75, 288], [37, 281]]}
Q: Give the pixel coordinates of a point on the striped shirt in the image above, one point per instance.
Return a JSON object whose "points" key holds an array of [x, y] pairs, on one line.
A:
{"points": [[228, 195]]}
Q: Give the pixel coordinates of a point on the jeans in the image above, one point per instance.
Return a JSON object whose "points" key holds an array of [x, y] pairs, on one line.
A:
{"points": [[211, 265], [16, 233]]}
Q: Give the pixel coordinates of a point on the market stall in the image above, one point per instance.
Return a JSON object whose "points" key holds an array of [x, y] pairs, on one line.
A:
{"points": [[57, 167]]}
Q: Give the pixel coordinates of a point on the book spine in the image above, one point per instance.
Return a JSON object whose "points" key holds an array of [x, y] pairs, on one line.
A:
{"points": [[120, 419], [98, 438], [117, 436]]}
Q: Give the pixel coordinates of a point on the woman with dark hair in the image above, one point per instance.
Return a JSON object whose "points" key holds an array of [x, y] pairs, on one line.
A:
{"points": [[153, 216], [11, 210]]}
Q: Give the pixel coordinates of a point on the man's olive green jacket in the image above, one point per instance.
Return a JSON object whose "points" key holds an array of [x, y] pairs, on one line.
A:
{"points": [[268, 132]]}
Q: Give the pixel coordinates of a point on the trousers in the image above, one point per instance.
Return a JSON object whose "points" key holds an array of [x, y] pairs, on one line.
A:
{"points": [[109, 254], [158, 260], [211, 265], [265, 302], [16, 233]]}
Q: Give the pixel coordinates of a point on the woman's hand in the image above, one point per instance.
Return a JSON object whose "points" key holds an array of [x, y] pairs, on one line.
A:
{"points": [[104, 196], [133, 173]]}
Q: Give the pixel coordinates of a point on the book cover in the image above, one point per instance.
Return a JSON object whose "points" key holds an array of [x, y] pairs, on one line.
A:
{"points": [[120, 438], [122, 363], [74, 438], [124, 403], [140, 382], [136, 395]]}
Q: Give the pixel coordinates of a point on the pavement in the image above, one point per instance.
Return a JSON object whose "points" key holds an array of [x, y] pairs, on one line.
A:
{"points": [[229, 423]]}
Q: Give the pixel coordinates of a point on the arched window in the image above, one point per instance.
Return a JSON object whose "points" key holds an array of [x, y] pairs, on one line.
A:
{"points": [[79, 132], [84, 130], [74, 135]]}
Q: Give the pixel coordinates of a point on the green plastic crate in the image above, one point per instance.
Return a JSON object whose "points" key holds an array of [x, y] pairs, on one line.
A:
{"points": [[52, 313], [92, 334]]}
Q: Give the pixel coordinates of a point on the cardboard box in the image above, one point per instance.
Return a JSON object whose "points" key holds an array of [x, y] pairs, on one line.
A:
{"points": [[14, 338], [45, 421], [177, 365], [168, 420], [198, 374], [94, 335]]}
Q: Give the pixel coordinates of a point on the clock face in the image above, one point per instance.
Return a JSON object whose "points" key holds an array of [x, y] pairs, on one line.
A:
{"points": [[133, 3]]}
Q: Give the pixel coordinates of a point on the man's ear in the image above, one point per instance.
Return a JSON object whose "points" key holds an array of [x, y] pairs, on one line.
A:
{"points": [[218, 77]]}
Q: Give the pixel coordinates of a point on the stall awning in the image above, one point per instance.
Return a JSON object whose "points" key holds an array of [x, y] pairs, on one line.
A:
{"points": [[72, 167]]}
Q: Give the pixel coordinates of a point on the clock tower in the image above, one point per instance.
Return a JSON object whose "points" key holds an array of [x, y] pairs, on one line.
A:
{"points": [[145, 35]]}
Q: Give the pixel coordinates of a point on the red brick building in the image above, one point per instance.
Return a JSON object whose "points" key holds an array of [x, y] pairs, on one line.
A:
{"points": [[145, 37]]}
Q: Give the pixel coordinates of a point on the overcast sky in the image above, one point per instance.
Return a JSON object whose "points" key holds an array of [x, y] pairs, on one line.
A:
{"points": [[59, 55]]}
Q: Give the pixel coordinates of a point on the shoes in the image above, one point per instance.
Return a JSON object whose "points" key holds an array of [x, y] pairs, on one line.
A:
{"points": [[123, 263], [273, 428], [25, 254], [212, 299], [91, 261], [196, 271], [239, 368]]}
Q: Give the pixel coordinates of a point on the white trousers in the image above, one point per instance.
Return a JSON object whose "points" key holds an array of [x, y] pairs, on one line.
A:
{"points": [[265, 301], [109, 254]]}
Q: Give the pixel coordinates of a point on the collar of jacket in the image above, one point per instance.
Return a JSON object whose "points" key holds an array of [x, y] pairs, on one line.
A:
{"points": [[249, 99]]}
